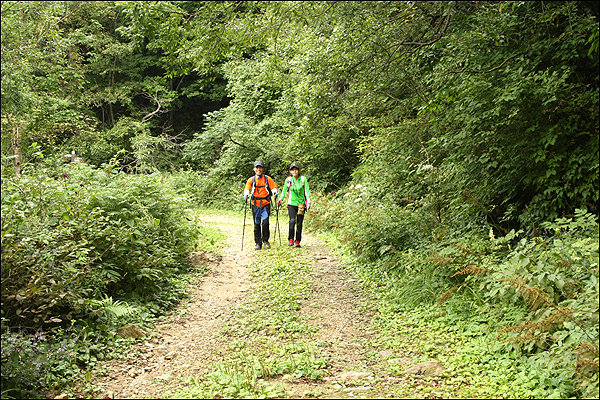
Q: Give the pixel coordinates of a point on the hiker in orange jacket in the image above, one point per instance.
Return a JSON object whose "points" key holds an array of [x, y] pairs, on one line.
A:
{"points": [[260, 187]]}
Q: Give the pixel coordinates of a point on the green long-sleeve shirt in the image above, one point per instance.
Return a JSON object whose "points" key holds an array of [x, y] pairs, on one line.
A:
{"points": [[299, 192]]}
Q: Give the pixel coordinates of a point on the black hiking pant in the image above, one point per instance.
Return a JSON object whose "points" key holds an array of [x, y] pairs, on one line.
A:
{"points": [[295, 223], [261, 231]]}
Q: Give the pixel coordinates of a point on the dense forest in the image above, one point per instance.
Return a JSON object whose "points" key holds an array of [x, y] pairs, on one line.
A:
{"points": [[450, 145]]}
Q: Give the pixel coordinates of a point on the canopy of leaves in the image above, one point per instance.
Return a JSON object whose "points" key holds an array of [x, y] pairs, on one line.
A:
{"points": [[492, 104]]}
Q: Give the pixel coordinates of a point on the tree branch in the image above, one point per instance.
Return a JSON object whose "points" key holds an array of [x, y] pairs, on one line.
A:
{"points": [[239, 144], [158, 110]]}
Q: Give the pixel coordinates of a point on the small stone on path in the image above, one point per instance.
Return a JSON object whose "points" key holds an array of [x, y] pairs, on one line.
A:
{"points": [[353, 345], [426, 369], [386, 353], [353, 376], [165, 378], [131, 331]]}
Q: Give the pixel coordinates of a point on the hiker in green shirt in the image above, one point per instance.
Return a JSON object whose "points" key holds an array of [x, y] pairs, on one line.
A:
{"points": [[298, 202]]}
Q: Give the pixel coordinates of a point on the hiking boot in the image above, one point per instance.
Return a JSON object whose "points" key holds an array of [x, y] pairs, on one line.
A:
{"points": [[291, 242], [267, 244], [297, 243], [257, 247]]}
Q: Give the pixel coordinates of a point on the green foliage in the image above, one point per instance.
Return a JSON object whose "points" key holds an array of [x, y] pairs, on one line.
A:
{"points": [[230, 380], [472, 109], [72, 233], [89, 246], [244, 375], [31, 363], [446, 117], [538, 296], [35, 363], [108, 308]]}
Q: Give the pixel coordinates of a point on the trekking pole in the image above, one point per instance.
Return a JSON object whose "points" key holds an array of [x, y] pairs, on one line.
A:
{"points": [[244, 228], [277, 227]]}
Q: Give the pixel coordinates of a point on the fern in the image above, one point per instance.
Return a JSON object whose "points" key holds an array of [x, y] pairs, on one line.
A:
{"points": [[535, 297], [540, 331], [109, 308], [470, 270]]}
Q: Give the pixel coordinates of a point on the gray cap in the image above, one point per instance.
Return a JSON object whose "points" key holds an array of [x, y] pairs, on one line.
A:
{"points": [[259, 164], [294, 165]]}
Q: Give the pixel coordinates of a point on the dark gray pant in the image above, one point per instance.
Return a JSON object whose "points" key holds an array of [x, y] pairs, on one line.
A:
{"points": [[261, 235], [295, 223]]}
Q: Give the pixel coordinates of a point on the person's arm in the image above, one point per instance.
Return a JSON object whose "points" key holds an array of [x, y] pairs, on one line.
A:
{"points": [[247, 188], [307, 193], [284, 190], [283, 193], [273, 186]]}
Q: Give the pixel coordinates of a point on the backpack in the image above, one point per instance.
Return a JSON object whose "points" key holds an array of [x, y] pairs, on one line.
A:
{"points": [[254, 186]]}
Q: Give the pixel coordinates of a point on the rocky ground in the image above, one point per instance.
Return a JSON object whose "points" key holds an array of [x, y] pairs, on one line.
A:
{"points": [[191, 340]]}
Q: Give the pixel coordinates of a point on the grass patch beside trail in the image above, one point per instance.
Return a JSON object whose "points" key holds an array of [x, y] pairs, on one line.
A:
{"points": [[268, 337]]}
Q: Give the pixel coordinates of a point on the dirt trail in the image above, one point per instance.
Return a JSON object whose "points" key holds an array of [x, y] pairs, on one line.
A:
{"points": [[189, 342]]}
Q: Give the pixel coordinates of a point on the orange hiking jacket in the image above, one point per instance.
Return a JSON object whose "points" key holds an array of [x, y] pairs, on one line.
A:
{"points": [[260, 191]]}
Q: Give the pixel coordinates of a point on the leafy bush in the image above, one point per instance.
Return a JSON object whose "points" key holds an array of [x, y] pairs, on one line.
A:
{"points": [[41, 362], [89, 246], [73, 233], [215, 189], [558, 280]]}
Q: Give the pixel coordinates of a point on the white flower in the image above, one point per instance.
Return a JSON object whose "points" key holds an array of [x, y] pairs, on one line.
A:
{"points": [[347, 194], [351, 187], [357, 200], [359, 186]]}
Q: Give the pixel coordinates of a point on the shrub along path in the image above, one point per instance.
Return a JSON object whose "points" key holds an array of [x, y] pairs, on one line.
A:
{"points": [[282, 322]]}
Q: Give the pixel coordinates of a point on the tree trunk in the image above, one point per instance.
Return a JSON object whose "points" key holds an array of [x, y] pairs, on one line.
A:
{"points": [[111, 115]]}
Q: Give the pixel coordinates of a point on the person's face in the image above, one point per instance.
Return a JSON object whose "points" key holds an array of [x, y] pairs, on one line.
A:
{"points": [[294, 172], [258, 170]]}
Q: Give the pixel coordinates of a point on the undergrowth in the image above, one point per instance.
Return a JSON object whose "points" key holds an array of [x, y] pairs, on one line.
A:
{"points": [[85, 251], [522, 310]]}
